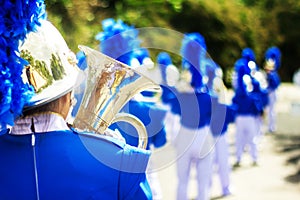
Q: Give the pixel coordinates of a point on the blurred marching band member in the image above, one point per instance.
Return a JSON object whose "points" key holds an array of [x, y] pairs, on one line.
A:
{"points": [[249, 107], [194, 141], [41, 156], [296, 78], [166, 75], [142, 62], [258, 86], [118, 40], [249, 57], [169, 78], [146, 105], [272, 64], [261, 95], [222, 115]]}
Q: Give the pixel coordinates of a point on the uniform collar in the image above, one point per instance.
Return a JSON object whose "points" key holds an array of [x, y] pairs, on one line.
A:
{"points": [[39, 123]]}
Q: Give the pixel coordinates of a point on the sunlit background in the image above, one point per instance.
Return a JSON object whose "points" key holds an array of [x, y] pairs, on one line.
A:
{"points": [[227, 25]]}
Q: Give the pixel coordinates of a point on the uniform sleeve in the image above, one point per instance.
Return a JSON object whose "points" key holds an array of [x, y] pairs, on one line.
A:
{"points": [[170, 97], [218, 118], [136, 187], [159, 139], [222, 115], [231, 113], [265, 98], [258, 107], [167, 94], [156, 128], [133, 182], [273, 81]]}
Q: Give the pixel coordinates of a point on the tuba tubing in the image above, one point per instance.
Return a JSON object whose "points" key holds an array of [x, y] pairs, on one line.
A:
{"points": [[109, 85], [137, 124]]}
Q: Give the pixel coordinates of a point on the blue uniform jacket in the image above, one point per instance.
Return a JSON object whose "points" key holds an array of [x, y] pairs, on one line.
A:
{"points": [[194, 108], [152, 117], [71, 166], [260, 95], [222, 116], [247, 105], [273, 80]]}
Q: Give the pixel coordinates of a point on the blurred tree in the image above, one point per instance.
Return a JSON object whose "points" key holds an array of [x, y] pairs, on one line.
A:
{"points": [[227, 25]]}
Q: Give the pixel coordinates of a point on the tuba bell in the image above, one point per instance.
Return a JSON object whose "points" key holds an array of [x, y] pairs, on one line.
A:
{"points": [[110, 84]]}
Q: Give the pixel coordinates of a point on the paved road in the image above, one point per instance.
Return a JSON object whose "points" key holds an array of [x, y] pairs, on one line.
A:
{"points": [[264, 182]]}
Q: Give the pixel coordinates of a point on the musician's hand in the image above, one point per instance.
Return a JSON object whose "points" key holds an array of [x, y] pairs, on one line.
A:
{"points": [[115, 134]]}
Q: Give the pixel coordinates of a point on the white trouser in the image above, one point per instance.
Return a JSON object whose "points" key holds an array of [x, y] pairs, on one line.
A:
{"points": [[246, 133], [194, 146], [260, 133], [222, 161], [154, 182], [172, 126], [271, 111]]}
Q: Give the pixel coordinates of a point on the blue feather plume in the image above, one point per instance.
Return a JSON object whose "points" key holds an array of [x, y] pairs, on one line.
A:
{"points": [[192, 51], [274, 54], [241, 69], [82, 62], [210, 72], [248, 54], [118, 39], [17, 19]]}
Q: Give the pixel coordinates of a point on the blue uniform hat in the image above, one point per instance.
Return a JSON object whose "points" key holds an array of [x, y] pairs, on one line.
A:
{"points": [[107, 25], [210, 72], [248, 54], [274, 54], [118, 40], [242, 70], [192, 51], [169, 74], [210, 68], [163, 60], [193, 47], [140, 54], [18, 18]]}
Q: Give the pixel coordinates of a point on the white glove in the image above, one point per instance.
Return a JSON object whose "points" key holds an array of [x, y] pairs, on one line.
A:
{"points": [[115, 134]]}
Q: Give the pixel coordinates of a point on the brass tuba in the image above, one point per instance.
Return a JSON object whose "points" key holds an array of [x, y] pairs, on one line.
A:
{"points": [[109, 86]]}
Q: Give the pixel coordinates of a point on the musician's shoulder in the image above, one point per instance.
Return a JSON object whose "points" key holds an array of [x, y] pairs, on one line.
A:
{"points": [[117, 142], [90, 136], [114, 152]]}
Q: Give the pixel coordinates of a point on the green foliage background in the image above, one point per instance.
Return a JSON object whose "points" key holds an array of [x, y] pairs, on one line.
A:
{"points": [[227, 25]]}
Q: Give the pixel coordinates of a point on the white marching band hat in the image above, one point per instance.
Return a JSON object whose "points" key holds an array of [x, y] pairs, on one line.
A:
{"points": [[52, 67]]}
